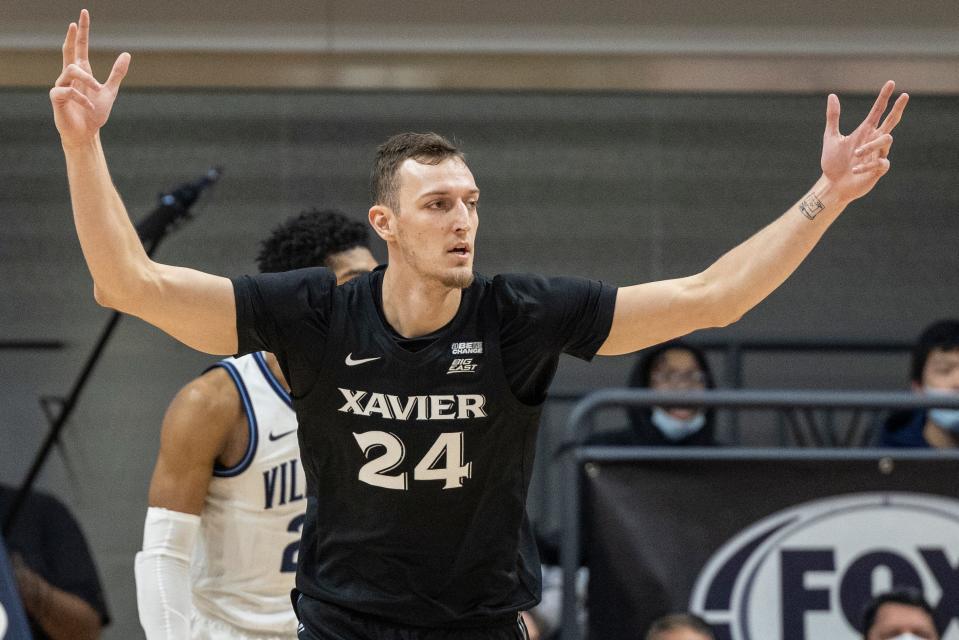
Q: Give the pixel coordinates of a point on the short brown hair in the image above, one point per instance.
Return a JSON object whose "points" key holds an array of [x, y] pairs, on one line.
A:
{"points": [[428, 148]]}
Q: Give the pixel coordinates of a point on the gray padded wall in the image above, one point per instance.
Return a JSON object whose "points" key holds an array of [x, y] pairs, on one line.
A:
{"points": [[625, 188]]}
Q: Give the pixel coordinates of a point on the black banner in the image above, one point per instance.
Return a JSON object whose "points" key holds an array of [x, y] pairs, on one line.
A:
{"points": [[768, 546]]}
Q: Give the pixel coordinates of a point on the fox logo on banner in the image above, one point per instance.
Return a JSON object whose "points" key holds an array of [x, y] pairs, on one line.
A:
{"points": [[805, 572], [769, 545]]}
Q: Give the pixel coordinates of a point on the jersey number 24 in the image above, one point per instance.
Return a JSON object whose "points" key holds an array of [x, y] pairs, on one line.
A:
{"points": [[444, 461]]}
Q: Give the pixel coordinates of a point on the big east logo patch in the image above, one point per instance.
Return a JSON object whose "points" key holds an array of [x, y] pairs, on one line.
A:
{"points": [[806, 573]]}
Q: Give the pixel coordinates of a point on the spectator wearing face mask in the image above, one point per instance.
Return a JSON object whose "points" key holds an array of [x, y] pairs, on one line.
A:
{"points": [[673, 366], [935, 371], [901, 614]]}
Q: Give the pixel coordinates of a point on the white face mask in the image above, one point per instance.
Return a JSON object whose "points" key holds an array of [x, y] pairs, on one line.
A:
{"points": [[907, 636], [676, 429]]}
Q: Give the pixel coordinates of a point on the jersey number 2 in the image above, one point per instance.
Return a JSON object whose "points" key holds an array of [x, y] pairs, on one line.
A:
{"points": [[291, 552], [447, 450]]}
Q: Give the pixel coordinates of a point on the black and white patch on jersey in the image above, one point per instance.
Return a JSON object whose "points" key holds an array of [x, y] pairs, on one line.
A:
{"points": [[463, 365]]}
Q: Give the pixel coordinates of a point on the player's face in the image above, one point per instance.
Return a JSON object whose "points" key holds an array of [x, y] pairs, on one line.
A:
{"points": [[437, 219], [348, 264], [894, 619], [942, 370], [678, 370]]}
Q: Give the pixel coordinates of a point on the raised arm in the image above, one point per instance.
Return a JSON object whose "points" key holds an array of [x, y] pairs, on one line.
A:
{"points": [[194, 307], [651, 313]]}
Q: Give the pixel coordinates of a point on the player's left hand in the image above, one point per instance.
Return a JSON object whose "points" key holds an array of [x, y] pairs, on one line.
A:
{"points": [[855, 162]]}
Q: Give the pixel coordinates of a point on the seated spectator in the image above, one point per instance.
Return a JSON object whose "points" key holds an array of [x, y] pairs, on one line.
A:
{"points": [[54, 571], [673, 366], [680, 626], [935, 370], [902, 614]]}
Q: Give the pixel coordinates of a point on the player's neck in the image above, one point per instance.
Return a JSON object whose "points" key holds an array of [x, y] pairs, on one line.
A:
{"points": [[415, 307]]}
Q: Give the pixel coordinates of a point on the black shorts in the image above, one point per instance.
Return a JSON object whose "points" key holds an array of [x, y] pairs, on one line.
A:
{"points": [[330, 622]]}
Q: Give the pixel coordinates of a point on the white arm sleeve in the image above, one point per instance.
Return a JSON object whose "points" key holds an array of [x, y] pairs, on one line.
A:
{"points": [[164, 599]]}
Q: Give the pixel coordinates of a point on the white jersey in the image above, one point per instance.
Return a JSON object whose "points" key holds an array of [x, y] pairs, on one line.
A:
{"points": [[245, 561]]}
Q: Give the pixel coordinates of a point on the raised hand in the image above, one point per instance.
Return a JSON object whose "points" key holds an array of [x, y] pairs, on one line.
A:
{"points": [[854, 163], [81, 105]]}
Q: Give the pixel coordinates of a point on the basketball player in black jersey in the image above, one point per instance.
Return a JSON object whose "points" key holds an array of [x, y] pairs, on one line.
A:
{"points": [[418, 387]]}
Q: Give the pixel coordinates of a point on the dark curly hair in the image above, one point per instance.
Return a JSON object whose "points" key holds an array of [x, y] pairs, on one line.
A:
{"points": [[309, 239]]}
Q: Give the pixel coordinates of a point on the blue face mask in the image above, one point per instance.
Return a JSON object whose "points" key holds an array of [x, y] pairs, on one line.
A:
{"points": [[676, 429], [946, 418]]}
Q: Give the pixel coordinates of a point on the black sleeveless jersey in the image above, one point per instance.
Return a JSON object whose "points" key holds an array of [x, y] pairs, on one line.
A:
{"points": [[417, 463]]}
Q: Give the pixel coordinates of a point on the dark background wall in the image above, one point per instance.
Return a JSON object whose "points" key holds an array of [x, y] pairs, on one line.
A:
{"points": [[621, 187]]}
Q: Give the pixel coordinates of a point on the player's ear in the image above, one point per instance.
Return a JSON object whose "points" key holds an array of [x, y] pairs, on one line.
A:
{"points": [[382, 220]]}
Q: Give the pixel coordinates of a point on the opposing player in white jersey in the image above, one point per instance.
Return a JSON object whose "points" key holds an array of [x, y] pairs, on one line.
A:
{"points": [[227, 503]]}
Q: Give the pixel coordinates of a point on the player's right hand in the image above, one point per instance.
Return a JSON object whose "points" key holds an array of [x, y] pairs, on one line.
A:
{"points": [[81, 105]]}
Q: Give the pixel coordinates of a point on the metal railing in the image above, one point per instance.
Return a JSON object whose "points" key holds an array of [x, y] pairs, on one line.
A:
{"points": [[579, 426], [804, 428]]}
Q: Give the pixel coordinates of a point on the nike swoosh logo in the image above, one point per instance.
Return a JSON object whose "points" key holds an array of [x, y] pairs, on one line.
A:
{"points": [[350, 362], [274, 438]]}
